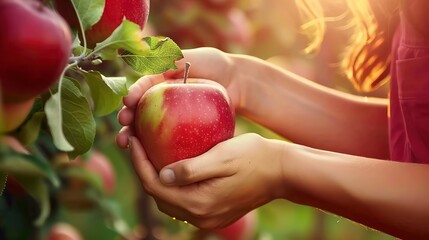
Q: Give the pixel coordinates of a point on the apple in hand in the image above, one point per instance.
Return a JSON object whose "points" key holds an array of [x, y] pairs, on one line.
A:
{"points": [[242, 229], [35, 45], [115, 11], [181, 119]]}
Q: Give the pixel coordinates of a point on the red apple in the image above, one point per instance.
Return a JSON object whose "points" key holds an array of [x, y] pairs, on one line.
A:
{"points": [[63, 231], [12, 185], [73, 195], [181, 119], [35, 45], [229, 30], [13, 114], [243, 229], [99, 164], [114, 12]]}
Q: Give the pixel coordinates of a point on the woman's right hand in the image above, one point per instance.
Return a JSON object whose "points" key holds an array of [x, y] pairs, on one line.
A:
{"points": [[208, 63]]}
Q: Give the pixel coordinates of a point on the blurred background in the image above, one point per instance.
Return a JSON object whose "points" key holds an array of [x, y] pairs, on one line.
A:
{"points": [[268, 29]]}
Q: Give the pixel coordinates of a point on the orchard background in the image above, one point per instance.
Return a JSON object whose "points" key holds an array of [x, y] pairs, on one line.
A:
{"points": [[60, 169]]}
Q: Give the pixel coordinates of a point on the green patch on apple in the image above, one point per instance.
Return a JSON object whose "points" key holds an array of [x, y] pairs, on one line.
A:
{"points": [[180, 119]]}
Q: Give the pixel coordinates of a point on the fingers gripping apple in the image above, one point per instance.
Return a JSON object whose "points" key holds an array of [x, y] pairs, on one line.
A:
{"points": [[178, 119]]}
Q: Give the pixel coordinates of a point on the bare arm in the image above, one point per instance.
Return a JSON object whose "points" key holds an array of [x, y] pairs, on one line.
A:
{"points": [[308, 113], [385, 195], [223, 184]]}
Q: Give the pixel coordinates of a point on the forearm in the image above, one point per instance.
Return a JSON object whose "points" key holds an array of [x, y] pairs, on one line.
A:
{"points": [[385, 195], [308, 113]]}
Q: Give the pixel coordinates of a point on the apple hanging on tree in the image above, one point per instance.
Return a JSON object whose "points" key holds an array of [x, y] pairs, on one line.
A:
{"points": [[13, 114], [98, 165], [35, 45], [114, 12], [180, 119], [63, 231]]}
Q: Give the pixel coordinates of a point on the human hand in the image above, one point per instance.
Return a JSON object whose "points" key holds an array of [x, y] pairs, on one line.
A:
{"points": [[220, 186], [208, 63]]}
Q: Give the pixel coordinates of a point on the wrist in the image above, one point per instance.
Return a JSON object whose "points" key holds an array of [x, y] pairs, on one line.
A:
{"points": [[282, 172], [244, 71], [296, 164]]}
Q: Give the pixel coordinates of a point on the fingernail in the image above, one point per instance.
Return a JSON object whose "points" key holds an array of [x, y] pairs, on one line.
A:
{"points": [[129, 142], [167, 176]]}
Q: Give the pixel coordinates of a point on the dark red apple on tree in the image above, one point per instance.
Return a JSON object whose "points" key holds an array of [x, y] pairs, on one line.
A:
{"points": [[229, 30], [73, 195], [184, 118], [35, 45], [100, 165], [115, 11], [13, 114], [13, 187]]}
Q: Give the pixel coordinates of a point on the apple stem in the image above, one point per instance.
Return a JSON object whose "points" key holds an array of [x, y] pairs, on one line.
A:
{"points": [[187, 66]]}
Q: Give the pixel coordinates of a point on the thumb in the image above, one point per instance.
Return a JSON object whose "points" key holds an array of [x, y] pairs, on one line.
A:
{"points": [[206, 166]]}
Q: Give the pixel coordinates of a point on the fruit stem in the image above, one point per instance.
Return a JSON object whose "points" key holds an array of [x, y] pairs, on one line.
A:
{"points": [[187, 66]]}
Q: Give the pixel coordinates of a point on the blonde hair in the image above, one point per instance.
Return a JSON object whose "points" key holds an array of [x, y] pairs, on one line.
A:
{"points": [[366, 60]]}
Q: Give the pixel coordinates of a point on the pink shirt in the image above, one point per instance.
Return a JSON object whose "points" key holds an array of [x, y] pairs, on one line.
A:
{"points": [[409, 91]]}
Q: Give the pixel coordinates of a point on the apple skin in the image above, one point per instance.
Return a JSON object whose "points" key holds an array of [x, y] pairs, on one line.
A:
{"points": [[229, 30], [72, 196], [176, 120], [13, 187], [35, 46], [13, 114], [114, 12], [63, 231], [99, 164], [242, 229]]}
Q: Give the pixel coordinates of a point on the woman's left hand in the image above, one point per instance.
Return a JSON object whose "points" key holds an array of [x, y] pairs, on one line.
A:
{"points": [[218, 187]]}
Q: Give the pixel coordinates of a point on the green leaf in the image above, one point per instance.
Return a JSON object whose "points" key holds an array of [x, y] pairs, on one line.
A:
{"points": [[106, 92], [79, 124], [89, 12], [127, 36], [14, 163], [54, 115], [38, 189], [161, 57], [3, 181], [112, 212], [29, 132]]}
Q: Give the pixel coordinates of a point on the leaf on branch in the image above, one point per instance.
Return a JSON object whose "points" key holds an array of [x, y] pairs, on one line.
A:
{"points": [[79, 124], [161, 57], [127, 36], [16, 163], [29, 132], [106, 92], [38, 189], [71, 123], [54, 115], [89, 12]]}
